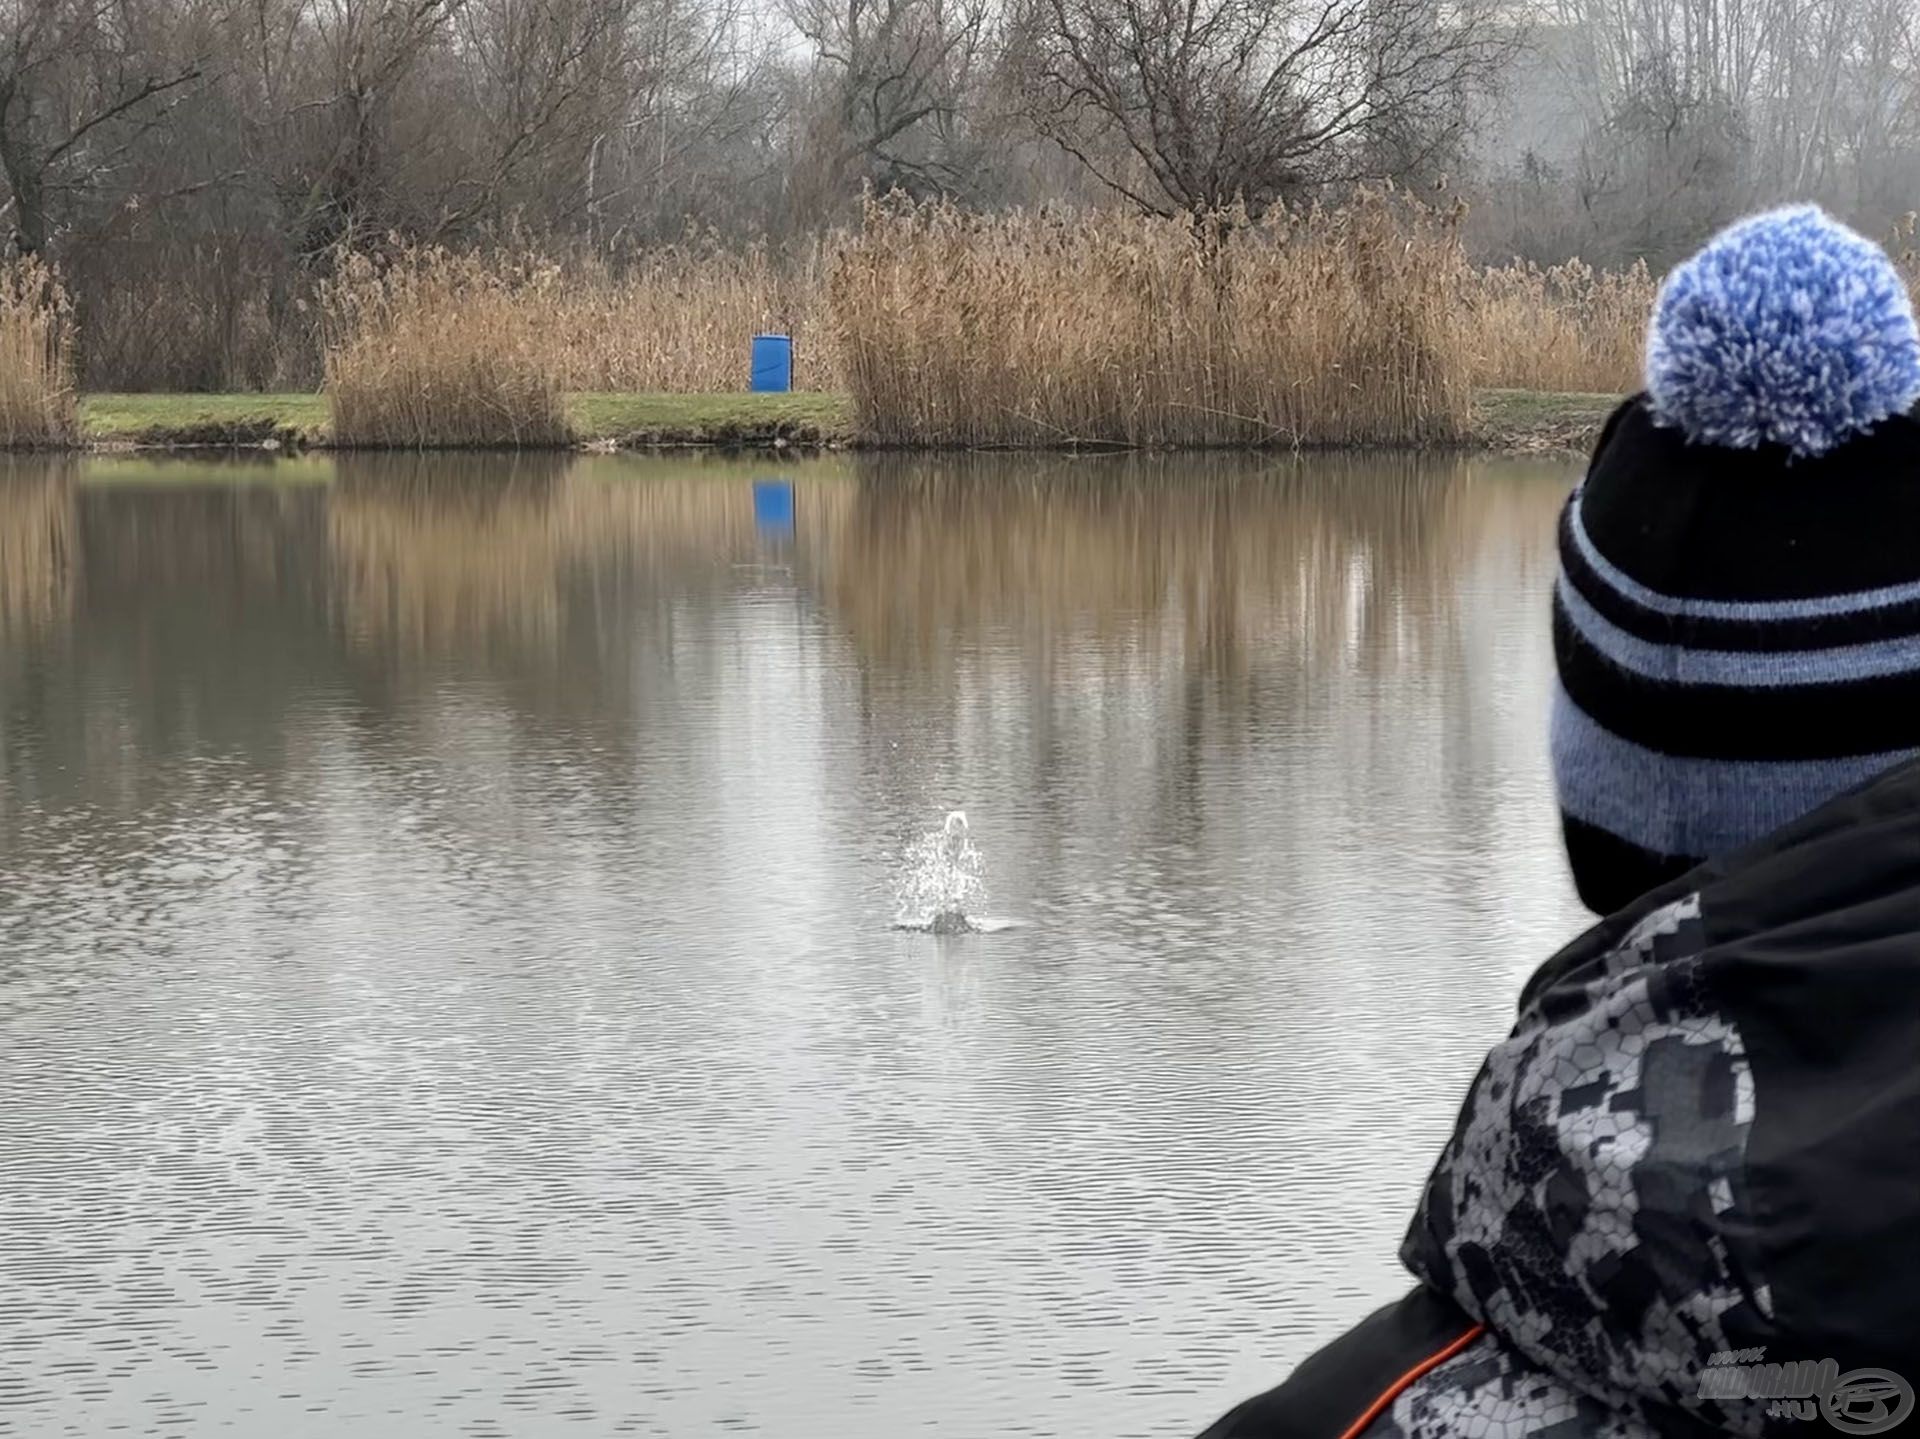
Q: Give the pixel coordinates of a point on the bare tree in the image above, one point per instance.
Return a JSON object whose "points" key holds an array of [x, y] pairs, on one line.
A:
{"points": [[339, 81], [1692, 110], [81, 82], [543, 78], [693, 131], [893, 76], [1190, 105]]}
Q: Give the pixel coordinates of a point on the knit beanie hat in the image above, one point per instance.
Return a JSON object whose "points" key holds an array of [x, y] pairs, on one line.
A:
{"points": [[1737, 617]]}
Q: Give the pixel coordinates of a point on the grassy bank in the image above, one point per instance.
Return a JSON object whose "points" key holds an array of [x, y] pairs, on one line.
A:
{"points": [[1539, 421], [181, 420], [600, 420], [1517, 420], [746, 421]]}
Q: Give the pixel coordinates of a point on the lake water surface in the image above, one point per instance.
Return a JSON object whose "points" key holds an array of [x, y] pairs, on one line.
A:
{"points": [[448, 974]]}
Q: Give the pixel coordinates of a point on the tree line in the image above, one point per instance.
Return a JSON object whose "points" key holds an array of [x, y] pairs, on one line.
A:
{"points": [[193, 165]]}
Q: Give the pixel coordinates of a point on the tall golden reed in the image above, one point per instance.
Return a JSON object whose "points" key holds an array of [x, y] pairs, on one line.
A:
{"points": [[436, 349], [679, 319], [1353, 324], [1330, 326], [38, 408], [1569, 328]]}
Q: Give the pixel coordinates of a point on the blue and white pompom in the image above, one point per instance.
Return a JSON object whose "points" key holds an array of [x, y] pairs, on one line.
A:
{"points": [[1787, 329]]}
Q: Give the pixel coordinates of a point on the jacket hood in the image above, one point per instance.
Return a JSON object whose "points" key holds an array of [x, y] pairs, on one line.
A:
{"points": [[1700, 1138]]}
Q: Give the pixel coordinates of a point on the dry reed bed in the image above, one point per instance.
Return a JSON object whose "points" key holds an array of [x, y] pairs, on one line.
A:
{"points": [[678, 320], [434, 349], [1362, 324], [1335, 326], [1330, 327], [38, 408], [1566, 329]]}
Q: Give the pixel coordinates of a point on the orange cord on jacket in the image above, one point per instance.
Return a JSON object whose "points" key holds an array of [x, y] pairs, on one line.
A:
{"points": [[1394, 1390]]}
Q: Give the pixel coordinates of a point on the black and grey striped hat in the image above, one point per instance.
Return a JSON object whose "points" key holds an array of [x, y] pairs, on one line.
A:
{"points": [[1737, 617]]}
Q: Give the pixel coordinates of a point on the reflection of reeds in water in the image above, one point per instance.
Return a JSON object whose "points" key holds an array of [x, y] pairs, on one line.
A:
{"points": [[433, 552], [1229, 558], [37, 549], [428, 552], [196, 539], [1222, 565]]}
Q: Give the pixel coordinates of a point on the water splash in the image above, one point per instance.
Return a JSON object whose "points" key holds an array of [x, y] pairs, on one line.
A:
{"points": [[943, 874]]}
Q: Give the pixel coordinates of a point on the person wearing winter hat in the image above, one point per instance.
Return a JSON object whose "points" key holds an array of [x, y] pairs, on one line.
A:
{"points": [[1737, 619], [1681, 1196]]}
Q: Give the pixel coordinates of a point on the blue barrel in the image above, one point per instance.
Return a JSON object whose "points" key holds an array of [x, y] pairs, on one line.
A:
{"points": [[772, 364]]}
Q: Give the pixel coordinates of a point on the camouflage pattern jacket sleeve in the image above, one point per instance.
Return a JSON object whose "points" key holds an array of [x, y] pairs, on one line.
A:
{"points": [[1681, 1197]]}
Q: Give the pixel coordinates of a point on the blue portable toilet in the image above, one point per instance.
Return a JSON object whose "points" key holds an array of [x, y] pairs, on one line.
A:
{"points": [[773, 509], [772, 364]]}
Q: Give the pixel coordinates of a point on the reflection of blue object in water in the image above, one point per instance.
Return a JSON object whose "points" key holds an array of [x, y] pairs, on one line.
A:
{"points": [[773, 508], [772, 364]]}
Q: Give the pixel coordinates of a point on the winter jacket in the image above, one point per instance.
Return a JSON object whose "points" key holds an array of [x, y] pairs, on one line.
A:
{"points": [[1688, 1179]]}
